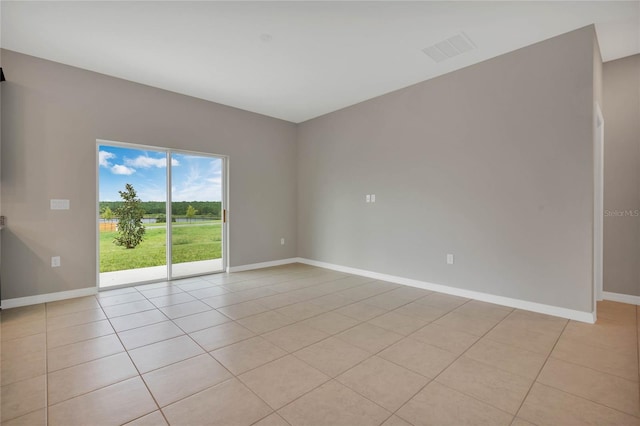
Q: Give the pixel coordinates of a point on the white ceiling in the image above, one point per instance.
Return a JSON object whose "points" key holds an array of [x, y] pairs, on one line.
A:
{"points": [[318, 56]]}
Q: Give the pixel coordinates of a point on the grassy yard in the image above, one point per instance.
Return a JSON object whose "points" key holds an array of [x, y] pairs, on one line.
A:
{"points": [[191, 242]]}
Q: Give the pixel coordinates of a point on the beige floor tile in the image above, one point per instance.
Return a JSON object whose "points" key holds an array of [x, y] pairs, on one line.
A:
{"points": [[23, 367], [419, 357], [331, 322], [622, 364], [605, 389], [387, 301], [294, 337], [17, 329], [445, 338], [128, 308], [486, 383], [154, 419], [439, 405], [23, 346], [521, 422], [301, 311], [441, 300], [75, 318], [140, 319], [109, 293], [333, 404], [401, 324], [120, 299], [548, 406], [148, 334], [78, 333], [361, 311], [540, 323], [68, 306], [331, 301], [163, 291], [231, 401], [83, 378], [24, 313], [280, 300], [200, 321], [20, 398], [265, 322], [111, 405], [508, 358], [247, 354], [34, 418], [87, 350], [272, 420], [145, 287], [522, 338], [425, 312], [383, 382], [208, 290], [182, 379], [221, 335], [242, 310], [280, 382], [160, 354], [616, 311], [172, 299], [184, 309], [476, 308], [604, 334], [469, 324], [396, 421], [369, 337], [332, 356]]}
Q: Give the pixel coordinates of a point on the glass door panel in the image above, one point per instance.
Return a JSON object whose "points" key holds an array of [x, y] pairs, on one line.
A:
{"points": [[132, 197], [197, 208]]}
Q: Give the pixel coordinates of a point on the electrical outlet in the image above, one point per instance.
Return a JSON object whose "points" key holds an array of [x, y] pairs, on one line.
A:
{"points": [[59, 204], [281, 241], [55, 262], [449, 259]]}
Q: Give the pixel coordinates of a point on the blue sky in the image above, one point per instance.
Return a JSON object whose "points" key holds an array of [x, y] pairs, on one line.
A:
{"points": [[194, 178]]}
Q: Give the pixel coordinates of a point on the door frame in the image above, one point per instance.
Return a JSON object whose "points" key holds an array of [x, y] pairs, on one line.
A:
{"points": [[598, 207], [224, 209]]}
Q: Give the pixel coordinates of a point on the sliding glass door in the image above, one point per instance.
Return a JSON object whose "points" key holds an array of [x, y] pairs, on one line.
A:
{"points": [[160, 214]]}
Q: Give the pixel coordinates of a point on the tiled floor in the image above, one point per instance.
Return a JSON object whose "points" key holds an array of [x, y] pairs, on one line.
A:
{"points": [[300, 345]]}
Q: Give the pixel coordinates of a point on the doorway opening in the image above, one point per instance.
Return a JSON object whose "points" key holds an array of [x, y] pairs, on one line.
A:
{"points": [[174, 200]]}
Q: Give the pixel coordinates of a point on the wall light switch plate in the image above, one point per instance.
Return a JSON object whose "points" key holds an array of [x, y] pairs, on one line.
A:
{"points": [[367, 198], [449, 259], [373, 198], [60, 204], [55, 261], [282, 241]]}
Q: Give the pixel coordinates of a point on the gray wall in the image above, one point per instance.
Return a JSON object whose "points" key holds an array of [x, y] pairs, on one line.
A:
{"points": [[493, 163], [52, 116], [621, 113]]}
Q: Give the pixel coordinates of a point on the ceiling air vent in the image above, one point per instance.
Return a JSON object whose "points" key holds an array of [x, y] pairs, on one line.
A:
{"points": [[453, 46]]}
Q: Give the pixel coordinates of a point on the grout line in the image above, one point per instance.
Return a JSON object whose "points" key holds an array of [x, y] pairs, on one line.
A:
{"points": [[535, 380]]}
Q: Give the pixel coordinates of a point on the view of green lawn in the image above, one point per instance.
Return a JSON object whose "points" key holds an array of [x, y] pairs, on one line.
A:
{"points": [[191, 242]]}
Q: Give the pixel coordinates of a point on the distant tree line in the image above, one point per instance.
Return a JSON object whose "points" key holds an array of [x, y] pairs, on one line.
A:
{"points": [[179, 208]]}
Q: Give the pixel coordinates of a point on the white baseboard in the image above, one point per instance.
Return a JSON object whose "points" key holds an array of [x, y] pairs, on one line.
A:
{"points": [[262, 265], [581, 316], [622, 298], [49, 297]]}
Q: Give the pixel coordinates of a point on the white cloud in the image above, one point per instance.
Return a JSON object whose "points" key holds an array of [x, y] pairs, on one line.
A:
{"points": [[104, 157], [120, 169], [144, 162]]}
